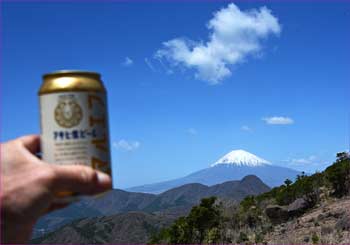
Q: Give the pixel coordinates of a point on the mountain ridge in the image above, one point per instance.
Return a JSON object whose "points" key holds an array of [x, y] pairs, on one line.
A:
{"points": [[174, 202], [272, 175]]}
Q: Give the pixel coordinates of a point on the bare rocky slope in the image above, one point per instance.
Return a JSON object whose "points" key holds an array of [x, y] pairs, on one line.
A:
{"points": [[327, 224]]}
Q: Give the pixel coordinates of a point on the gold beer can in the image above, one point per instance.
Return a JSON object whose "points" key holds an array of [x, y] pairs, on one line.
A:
{"points": [[74, 120]]}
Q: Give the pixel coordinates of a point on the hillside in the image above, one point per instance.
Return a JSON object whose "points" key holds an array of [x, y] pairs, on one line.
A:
{"points": [[173, 203], [131, 227], [113, 202], [313, 209], [327, 224]]}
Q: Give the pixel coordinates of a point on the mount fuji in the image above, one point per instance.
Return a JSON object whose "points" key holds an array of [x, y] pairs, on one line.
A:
{"points": [[232, 166]]}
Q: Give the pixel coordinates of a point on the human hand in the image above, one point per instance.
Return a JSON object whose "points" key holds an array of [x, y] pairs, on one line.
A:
{"points": [[28, 186]]}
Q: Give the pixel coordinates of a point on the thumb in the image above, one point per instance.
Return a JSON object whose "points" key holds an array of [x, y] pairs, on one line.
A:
{"points": [[31, 142], [80, 179]]}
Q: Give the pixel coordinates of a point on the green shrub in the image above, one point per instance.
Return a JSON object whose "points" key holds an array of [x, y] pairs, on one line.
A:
{"points": [[242, 237], [338, 175], [201, 224], [315, 239], [259, 238], [247, 203]]}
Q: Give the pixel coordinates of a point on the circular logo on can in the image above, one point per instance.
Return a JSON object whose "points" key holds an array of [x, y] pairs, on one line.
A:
{"points": [[68, 113]]}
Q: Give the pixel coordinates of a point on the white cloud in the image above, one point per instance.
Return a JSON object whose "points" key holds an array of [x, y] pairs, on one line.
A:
{"points": [[302, 161], [278, 120], [166, 68], [192, 131], [149, 64], [233, 35], [309, 164], [127, 62], [246, 128], [126, 145]]}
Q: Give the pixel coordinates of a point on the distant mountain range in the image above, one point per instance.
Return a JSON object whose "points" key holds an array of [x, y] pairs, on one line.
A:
{"points": [[233, 166], [168, 205]]}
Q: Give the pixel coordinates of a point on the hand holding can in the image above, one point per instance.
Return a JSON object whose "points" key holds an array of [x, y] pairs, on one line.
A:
{"points": [[74, 120]]}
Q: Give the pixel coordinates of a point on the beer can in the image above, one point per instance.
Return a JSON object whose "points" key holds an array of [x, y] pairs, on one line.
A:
{"points": [[74, 120]]}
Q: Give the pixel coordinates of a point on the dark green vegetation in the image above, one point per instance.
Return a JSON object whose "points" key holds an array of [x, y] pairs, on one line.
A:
{"points": [[336, 178], [256, 216], [338, 175], [201, 225]]}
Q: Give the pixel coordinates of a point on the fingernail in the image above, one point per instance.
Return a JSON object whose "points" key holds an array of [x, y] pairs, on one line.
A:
{"points": [[103, 178]]}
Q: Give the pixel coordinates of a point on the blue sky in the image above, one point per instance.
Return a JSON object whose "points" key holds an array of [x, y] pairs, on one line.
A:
{"points": [[183, 92]]}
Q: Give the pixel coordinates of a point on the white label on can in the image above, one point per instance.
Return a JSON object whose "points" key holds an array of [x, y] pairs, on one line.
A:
{"points": [[74, 129]]}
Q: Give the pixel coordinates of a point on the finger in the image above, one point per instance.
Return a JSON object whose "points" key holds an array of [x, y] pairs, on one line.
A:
{"points": [[31, 142], [81, 179]]}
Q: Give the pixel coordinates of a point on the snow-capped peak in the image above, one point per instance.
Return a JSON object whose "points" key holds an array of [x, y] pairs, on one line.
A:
{"points": [[240, 158]]}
